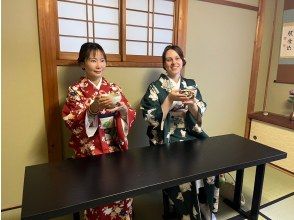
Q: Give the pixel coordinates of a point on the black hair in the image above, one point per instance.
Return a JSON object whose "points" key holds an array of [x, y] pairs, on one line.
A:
{"points": [[175, 48], [86, 50]]}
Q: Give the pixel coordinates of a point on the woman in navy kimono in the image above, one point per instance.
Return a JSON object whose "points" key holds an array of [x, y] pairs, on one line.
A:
{"points": [[173, 108]]}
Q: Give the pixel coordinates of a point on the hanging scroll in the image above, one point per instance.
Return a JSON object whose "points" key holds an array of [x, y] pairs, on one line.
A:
{"points": [[287, 41]]}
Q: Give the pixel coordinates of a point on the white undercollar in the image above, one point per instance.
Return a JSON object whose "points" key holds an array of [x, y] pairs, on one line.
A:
{"points": [[174, 84], [96, 86]]}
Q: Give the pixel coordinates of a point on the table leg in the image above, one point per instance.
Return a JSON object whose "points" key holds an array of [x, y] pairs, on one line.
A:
{"points": [[236, 203], [259, 177], [76, 216], [238, 188]]}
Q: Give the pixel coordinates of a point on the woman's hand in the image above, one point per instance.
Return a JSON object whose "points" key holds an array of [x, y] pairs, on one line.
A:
{"points": [[192, 105], [121, 107], [102, 102], [175, 95]]}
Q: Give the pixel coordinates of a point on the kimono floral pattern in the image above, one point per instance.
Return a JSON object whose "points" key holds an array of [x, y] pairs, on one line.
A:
{"points": [[179, 125], [80, 96], [110, 136], [114, 211]]}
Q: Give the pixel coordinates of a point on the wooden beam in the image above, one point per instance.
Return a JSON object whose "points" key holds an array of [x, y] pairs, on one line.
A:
{"points": [[270, 58], [47, 38], [122, 29], [181, 19], [232, 4], [255, 64]]}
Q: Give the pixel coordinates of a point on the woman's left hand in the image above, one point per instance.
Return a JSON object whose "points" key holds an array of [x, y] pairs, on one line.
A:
{"points": [[190, 102], [123, 110], [121, 107]]}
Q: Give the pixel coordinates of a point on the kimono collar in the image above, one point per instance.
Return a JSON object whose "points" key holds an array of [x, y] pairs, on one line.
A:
{"points": [[90, 89], [96, 86], [175, 85], [168, 84]]}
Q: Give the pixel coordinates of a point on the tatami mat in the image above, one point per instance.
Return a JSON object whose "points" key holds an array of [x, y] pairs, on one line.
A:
{"points": [[275, 210], [276, 185], [280, 208]]}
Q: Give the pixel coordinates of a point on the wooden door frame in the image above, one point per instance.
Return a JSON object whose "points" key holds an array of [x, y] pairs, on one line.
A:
{"points": [[47, 33]]}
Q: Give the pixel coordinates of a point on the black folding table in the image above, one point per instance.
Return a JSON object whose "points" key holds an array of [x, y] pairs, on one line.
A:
{"points": [[69, 186]]}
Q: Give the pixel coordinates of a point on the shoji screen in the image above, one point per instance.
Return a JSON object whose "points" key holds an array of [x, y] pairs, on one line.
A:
{"points": [[80, 21]]}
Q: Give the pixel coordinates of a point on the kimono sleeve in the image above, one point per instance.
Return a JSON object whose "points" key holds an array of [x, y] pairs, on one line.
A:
{"points": [[131, 113], [151, 107], [74, 109], [124, 124], [194, 125], [200, 103]]}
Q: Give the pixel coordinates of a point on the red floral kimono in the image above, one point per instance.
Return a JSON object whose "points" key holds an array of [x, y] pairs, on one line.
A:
{"points": [[108, 133]]}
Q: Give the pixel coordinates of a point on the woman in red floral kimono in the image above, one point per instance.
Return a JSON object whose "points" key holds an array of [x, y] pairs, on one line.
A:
{"points": [[99, 117]]}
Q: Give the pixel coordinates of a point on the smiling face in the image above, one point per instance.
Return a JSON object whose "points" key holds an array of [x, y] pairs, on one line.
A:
{"points": [[173, 64], [94, 65]]}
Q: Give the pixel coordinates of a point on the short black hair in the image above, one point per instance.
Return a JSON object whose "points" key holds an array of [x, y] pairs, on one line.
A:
{"points": [[86, 50], [175, 48]]}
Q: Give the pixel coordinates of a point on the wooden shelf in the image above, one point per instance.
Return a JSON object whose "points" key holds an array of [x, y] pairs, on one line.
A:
{"points": [[273, 118]]}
